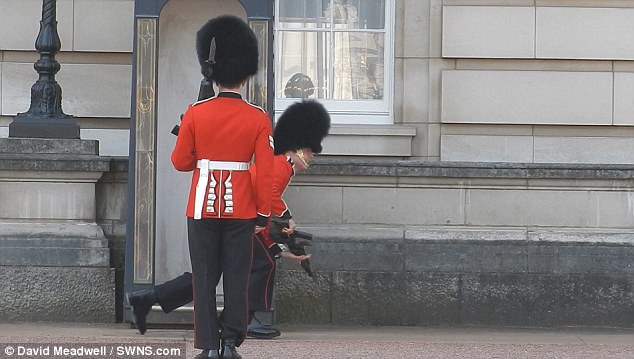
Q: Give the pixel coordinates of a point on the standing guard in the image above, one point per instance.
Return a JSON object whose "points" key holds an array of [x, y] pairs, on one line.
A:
{"points": [[218, 139]]}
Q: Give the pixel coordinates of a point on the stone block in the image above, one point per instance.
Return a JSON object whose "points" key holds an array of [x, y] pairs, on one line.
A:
{"points": [[417, 94], [495, 299], [590, 33], [465, 234], [353, 248], [43, 146], [91, 17], [48, 200], [20, 24], [474, 148], [527, 97], [547, 300], [435, 28], [390, 298], [402, 205], [603, 300], [553, 300], [355, 255], [55, 244], [54, 257], [488, 31], [327, 210], [17, 79], [516, 207], [613, 209], [624, 98], [416, 39], [456, 129], [300, 299], [466, 257], [433, 142], [621, 263], [578, 236], [600, 150], [581, 300], [559, 259], [57, 294]]}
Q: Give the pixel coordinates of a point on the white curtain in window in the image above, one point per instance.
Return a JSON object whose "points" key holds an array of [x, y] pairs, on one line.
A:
{"points": [[344, 17], [334, 51]]}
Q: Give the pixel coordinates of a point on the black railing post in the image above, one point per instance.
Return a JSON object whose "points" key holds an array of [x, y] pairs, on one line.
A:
{"points": [[45, 118]]}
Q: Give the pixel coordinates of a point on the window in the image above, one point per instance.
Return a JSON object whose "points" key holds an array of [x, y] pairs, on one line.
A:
{"points": [[339, 52]]}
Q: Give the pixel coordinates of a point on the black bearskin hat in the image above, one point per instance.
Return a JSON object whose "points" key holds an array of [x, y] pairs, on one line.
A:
{"points": [[299, 86], [236, 57], [303, 124]]}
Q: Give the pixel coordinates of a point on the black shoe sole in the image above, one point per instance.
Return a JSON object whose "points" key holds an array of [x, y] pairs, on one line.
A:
{"points": [[262, 336], [133, 316]]}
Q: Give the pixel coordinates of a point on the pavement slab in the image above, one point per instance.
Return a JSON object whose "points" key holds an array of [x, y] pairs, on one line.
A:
{"points": [[113, 341]]}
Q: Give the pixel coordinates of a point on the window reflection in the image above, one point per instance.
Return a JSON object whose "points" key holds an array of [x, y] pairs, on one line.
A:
{"points": [[337, 44]]}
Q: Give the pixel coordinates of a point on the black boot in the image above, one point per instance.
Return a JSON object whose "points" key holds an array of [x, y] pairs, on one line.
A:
{"points": [[229, 350], [208, 353], [257, 330], [141, 302]]}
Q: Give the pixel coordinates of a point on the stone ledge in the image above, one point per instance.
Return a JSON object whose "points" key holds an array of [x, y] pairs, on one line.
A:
{"points": [[356, 233], [49, 146], [53, 245], [58, 230], [470, 250], [53, 162], [38, 154], [412, 168], [54, 256]]}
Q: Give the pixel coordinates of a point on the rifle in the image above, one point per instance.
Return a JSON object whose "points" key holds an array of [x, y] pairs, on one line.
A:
{"points": [[293, 242], [206, 89]]}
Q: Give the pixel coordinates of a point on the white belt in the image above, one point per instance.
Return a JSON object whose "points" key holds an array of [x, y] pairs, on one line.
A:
{"points": [[222, 165], [203, 177]]}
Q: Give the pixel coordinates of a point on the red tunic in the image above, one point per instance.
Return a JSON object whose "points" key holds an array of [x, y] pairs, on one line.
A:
{"points": [[228, 129], [282, 174]]}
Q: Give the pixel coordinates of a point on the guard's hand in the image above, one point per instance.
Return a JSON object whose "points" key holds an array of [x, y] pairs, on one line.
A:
{"points": [[291, 227], [293, 258], [259, 229]]}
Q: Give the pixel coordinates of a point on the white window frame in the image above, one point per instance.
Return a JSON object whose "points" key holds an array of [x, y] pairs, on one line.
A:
{"points": [[363, 112]]}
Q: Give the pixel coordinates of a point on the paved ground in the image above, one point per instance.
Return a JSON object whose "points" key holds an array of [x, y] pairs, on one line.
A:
{"points": [[119, 341]]}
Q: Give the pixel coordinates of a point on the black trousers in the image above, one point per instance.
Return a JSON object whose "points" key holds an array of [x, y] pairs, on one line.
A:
{"points": [[175, 292], [220, 247], [179, 291], [262, 278]]}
